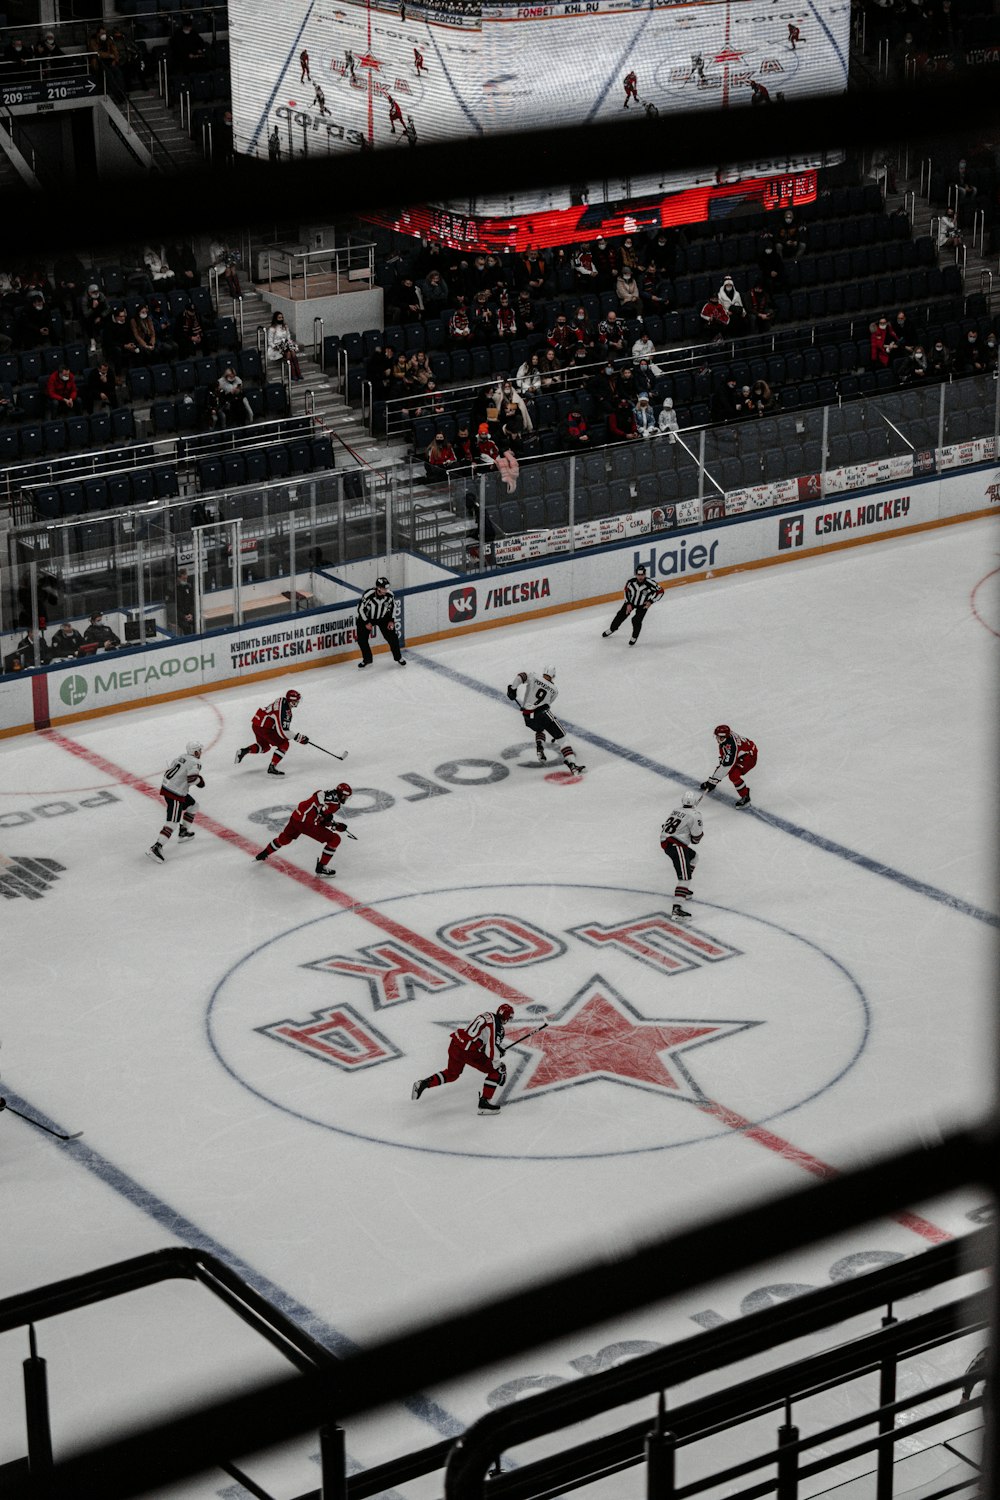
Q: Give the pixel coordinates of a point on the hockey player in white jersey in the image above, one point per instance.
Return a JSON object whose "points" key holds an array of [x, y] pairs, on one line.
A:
{"points": [[678, 836], [536, 700], [183, 772]]}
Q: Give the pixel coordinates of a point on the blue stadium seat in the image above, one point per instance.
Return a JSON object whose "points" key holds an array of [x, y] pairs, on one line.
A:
{"points": [[322, 453], [140, 383], [278, 465], [209, 474], [249, 365], [122, 425], [32, 441], [48, 505], [95, 493], [54, 437], [234, 470], [71, 499], [119, 490], [165, 482], [256, 462], [143, 491], [163, 417], [275, 399]]}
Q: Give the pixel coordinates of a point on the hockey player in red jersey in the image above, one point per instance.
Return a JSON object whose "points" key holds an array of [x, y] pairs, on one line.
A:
{"points": [[418, 61], [183, 772], [736, 756], [475, 1046], [631, 84], [271, 727], [678, 836], [314, 818], [794, 35], [395, 113]]}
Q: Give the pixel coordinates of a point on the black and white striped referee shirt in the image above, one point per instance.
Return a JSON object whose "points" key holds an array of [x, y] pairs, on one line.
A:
{"points": [[375, 606], [640, 592]]}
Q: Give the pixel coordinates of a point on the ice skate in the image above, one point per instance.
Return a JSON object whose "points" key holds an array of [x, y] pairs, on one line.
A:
{"points": [[575, 767], [679, 914], [156, 852], [605, 634], [185, 833], [540, 755], [264, 854], [240, 754], [418, 1088], [325, 870], [273, 771], [744, 799], [487, 1107]]}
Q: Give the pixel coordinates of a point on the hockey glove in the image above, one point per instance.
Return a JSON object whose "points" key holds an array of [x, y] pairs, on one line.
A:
{"points": [[303, 739], [512, 693], [501, 1072], [708, 786], [199, 781], [340, 827]]}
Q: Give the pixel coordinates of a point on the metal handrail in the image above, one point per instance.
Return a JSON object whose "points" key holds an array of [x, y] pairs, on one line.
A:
{"points": [[318, 352], [291, 265]]}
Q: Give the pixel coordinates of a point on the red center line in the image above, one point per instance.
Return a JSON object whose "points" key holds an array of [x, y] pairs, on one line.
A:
{"points": [[469, 971]]}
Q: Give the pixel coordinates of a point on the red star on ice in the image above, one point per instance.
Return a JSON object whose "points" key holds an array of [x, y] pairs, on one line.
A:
{"points": [[728, 55], [368, 61], [599, 1035]]}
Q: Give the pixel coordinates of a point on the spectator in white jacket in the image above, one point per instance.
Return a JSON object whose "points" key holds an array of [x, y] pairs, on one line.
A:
{"points": [[505, 391], [667, 420], [645, 418], [281, 347], [733, 304], [644, 348]]}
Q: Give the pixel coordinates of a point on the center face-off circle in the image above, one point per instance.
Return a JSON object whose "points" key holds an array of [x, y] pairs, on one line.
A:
{"points": [[658, 1036]]}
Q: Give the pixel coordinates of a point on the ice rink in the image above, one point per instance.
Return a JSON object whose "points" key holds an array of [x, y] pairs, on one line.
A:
{"points": [[237, 1041]]}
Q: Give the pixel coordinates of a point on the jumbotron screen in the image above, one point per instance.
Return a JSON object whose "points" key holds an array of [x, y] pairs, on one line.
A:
{"points": [[311, 78]]}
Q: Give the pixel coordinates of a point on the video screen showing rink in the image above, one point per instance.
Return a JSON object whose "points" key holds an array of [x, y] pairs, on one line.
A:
{"points": [[238, 1040], [332, 79]]}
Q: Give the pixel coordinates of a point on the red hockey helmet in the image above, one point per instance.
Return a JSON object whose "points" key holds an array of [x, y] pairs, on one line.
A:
{"points": [[293, 696], [344, 791], [722, 731], [505, 1012]]}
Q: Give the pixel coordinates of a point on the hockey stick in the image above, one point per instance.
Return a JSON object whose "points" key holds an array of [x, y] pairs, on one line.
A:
{"points": [[522, 1038], [57, 1133], [328, 752]]}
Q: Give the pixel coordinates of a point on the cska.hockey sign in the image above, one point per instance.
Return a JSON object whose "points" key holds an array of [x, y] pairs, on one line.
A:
{"points": [[657, 1034]]}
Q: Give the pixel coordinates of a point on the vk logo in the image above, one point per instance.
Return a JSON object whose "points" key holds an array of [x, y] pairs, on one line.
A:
{"points": [[462, 604]]}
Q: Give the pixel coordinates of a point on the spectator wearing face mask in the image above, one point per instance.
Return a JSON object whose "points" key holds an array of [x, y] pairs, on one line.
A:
{"points": [[627, 292], [939, 361], [105, 61], [882, 343], [791, 237], [16, 57], [970, 356], [731, 299], [667, 420]]}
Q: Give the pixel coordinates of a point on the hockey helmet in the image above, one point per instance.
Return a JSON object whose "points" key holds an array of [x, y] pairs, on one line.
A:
{"points": [[550, 673], [641, 568], [195, 748], [722, 731], [294, 696], [688, 800], [344, 791], [505, 1012], [330, 795], [381, 583]]}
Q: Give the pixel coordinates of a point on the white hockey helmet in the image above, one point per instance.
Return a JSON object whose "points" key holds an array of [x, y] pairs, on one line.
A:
{"points": [[550, 673], [195, 748], [688, 800]]}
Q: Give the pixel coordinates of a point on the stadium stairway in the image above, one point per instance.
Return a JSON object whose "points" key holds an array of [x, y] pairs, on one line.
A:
{"points": [[165, 122]]}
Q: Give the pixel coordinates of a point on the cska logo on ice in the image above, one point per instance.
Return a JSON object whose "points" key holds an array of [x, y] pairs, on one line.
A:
{"points": [[628, 1032]]}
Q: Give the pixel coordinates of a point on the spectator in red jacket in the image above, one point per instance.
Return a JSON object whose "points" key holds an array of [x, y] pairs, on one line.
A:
{"points": [[621, 422], [61, 390]]}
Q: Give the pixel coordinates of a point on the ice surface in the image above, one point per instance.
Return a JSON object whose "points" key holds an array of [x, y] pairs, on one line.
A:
{"points": [[837, 981]]}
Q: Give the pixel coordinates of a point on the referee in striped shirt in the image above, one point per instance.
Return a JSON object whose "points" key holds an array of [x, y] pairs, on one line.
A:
{"points": [[375, 612], [640, 593]]}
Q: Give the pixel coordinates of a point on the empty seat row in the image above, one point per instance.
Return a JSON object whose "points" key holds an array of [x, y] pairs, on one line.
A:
{"points": [[33, 440], [258, 465], [100, 492], [146, 382], [38, 364]]}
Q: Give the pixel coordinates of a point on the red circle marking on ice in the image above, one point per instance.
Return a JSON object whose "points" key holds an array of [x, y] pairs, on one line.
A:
{"points": [[972, 601]]}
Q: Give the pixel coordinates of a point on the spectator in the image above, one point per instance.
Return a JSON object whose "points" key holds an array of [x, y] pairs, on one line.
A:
{"points": [[225, 260], [60, 388], [440, 458], [154, 258], [181, 259], [26, 649], [732, 301], [95, 315], [100, 635], [714, 319], [105, 61], [949, 236], [515, 426], [606, 387], [573, 430], [990, 353], [529, 375], [459, 327], [281, 347], [761, 307], [727, 403], [882, 344], [8, 407], [552, 374], [644, 349], [481, 317], [465, 450], [629, 255], [17, 57], [34, 323], [561, 339], [585, 272], [970, 356], [667, 420], [773, 277], [901, 334], [184, 603], [939, 361], [764, 400], [645, 417], [790, 241], [965, 195], [627, 292], [186, 48], [583, 334], [528, 316], [486, 449], [378, 372], [645, 376], [621, 422], [611, 334], [921, 364], [234, 408], [608, 263], [434, 293], [100, 392], [65, 642], [190, 334], [143, 335], [166, 345], [534, 274], [662, 251], [504, 317]]}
